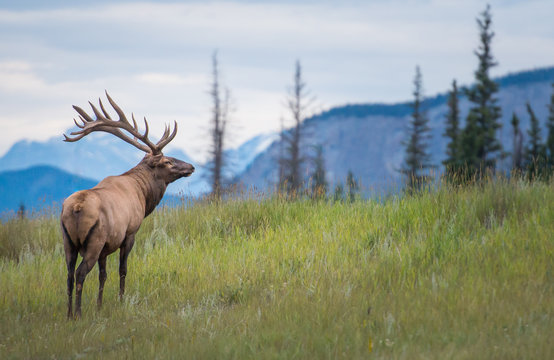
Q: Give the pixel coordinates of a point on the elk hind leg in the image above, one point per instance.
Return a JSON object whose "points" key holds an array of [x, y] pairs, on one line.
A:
{"points": [[71, 260], [90, 257], [102, 275], [123, 254]]}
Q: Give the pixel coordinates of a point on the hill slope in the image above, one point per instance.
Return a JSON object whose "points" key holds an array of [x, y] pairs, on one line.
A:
{"points": [[451, 274], [101, 155], [95, 157], [38, 187], [367, 138], [43, 187]]}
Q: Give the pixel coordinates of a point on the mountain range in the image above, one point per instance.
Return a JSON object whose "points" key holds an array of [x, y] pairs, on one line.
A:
{"points": [[83, 164], [366, 139], [38, 187]]}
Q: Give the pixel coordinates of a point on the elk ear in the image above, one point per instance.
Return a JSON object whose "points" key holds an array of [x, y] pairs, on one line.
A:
{"points": [[153, 160]]}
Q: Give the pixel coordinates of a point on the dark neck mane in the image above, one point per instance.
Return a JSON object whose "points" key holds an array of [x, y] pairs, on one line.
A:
{"points": [[153, 189]]}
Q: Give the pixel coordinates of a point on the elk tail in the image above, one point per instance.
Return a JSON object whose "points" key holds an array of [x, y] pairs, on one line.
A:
{"points": [[86, 224], [79, 220]]}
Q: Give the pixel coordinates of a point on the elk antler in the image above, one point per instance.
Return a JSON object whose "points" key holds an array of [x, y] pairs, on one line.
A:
{"points": [[105, 123]]}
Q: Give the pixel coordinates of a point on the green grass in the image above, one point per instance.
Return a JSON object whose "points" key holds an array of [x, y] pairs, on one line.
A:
{"points": [[455, 273]]}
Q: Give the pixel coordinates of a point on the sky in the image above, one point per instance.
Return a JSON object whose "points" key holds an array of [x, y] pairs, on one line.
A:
{"points": [[154, 57]]}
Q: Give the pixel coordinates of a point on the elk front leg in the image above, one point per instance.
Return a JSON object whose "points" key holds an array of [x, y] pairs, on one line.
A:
{"points": [[124, 251], [102, 275]]}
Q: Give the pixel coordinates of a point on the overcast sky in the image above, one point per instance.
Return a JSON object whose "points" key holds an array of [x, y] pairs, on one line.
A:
{"points": [[154, 58]]}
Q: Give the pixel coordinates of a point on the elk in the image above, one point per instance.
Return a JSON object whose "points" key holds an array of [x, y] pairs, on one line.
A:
{"points": [[98, 221]]}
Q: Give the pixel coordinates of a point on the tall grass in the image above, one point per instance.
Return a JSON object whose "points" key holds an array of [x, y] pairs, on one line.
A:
{"points": [[451, 273]]}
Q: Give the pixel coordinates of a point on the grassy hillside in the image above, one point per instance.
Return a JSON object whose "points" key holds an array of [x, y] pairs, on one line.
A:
{"points": [[465, 273]]}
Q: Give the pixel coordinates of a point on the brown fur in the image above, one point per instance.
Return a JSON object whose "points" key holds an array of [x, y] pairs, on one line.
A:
{"points": [[101, 220]]}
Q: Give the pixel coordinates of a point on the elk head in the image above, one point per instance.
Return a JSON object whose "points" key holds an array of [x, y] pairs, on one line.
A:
{"points": [[168, 168], [163, 167]]}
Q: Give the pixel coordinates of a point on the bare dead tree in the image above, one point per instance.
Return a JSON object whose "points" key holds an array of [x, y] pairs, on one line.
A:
{"points": [[281, 156], [218, 129], [297, 103]]}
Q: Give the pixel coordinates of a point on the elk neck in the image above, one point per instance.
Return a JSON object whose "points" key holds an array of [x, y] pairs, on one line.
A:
{"points": [[153, 188]]}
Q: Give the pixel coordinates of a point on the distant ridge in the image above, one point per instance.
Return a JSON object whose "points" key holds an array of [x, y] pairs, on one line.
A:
{"points": [[43, 187], [403, 108], [529, 76], [38, 187], [367, 139]]}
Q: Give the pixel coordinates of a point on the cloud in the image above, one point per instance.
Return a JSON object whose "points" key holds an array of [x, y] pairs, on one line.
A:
{"points": [[156, 78], [154, 58]]}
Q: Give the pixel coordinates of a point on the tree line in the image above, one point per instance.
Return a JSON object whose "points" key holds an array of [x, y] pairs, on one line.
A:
{"points": [[473, 151], [291, 158]]}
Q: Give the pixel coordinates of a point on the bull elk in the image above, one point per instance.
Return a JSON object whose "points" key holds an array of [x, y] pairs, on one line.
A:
{"points": [[98, 221]]}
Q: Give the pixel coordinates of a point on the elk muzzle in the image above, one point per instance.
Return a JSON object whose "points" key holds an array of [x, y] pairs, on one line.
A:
{"points": [[185, 169]]}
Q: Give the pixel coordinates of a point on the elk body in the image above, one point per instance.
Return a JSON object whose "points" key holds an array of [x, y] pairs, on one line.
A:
{"points": [[101, 220]]}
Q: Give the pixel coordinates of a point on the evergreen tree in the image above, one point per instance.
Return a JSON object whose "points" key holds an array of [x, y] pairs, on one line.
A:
{"points": [[319, 182], [352, 186], [21, 211], [481, 148], [534, 153], [339, 192], [453, 151], [517, 152], [417, 159], [550, 137]]}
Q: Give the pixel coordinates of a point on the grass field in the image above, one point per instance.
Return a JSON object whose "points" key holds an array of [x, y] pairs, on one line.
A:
{"points": [[454, 273]]}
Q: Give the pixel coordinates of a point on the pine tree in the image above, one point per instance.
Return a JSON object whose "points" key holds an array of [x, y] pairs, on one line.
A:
{"points": [[339, 192], [534, 153], [319, 182], [417, 157], [517, 152], [453, 151], [550, 137], [352, 186], [481, 148], [21, 211]]}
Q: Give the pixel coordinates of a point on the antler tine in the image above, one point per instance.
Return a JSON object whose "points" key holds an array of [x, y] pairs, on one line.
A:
{"points": [[133, 130], [104, 110], [146, 126], [83, 114], [68, 139], [117, 109], [99, 116], [134, 121], [82, 120], [165, 134], [78, 125], [166, 140]]}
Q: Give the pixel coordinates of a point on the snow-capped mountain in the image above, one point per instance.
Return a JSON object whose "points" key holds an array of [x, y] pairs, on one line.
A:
{"points": [[100, 155]]}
